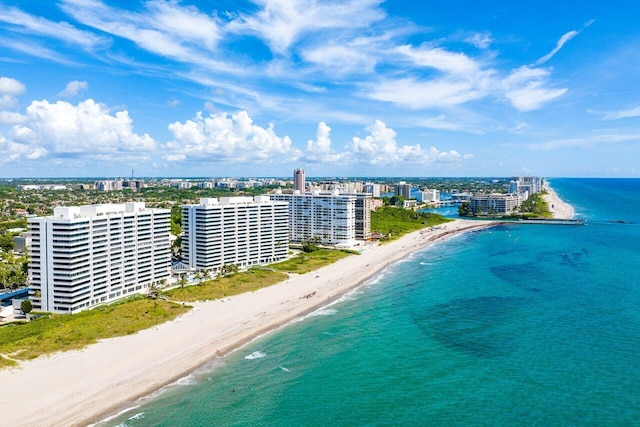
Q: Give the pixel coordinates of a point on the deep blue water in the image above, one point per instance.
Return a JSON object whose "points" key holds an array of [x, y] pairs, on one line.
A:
{"points": [[515, 325]]}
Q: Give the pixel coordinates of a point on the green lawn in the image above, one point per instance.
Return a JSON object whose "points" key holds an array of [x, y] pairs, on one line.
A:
{"points": [[221, 287], [395, 222], [309, 261], [62, 332]]}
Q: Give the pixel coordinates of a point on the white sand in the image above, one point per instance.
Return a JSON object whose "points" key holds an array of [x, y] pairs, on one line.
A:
{"points": [[558, 208], [77, 387]]}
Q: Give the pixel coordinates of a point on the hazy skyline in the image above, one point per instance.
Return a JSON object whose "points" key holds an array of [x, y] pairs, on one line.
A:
{"points": [[339, 88]]}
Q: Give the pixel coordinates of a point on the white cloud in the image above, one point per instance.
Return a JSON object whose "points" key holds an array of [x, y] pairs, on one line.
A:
{"points": [[9, 86], [460, 80], [340, 59], [9, 89], [480, 40], [86, 130], [167, 29], [416, 94], [282, 22], [623, 114], [561, 42], [12, 151], [58, 30], [525, 88], [220, 137], [11, 118], [174, 102], [74, 88], [380, 147], [585, 142], [440, 59], [320, 149]]}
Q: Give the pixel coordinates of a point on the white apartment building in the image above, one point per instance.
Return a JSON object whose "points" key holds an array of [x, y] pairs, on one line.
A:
{"points": [[428, 196], [490, 204], [329, 216], [244, 231], [83, 256], [371, 188]]}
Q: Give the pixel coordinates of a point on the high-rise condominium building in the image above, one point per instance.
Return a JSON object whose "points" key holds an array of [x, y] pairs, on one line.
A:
{"points": [[328, 216], [373, 189], [87, 255], [244, 231], [298, 180], [402, 189]]}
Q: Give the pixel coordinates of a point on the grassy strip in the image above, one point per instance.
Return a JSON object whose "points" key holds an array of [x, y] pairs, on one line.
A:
{"points": [[395, 222], [309, 261], [62, 332], [6, 363], [221, 287], [535, 207]]}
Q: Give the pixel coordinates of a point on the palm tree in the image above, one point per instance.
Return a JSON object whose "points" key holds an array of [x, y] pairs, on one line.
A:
{"points": [[182, 280]]}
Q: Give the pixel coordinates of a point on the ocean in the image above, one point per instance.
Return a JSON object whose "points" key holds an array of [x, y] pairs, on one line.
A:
{"points": [[513, 325]]}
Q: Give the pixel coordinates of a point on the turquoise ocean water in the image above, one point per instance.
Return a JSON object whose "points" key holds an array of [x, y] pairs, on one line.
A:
{"points": [[515, 325]]}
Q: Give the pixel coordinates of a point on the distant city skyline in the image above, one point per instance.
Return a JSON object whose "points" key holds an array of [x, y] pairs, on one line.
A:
{"points": [[361, 88]]}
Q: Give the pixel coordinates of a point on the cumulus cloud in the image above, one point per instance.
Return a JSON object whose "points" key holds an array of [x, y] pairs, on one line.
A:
{"points": [[525, 88], [9, 89], [11, 118], [74, 88], [224, 137], [86, 130], [320, 149], [380, 147]]}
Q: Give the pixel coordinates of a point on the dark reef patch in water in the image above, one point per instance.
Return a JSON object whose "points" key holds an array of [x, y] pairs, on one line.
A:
{"points": [[474, 326]]}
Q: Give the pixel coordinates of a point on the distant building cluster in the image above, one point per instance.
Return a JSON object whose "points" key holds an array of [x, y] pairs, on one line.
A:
{"points": [[42, 187], [519, 190]]}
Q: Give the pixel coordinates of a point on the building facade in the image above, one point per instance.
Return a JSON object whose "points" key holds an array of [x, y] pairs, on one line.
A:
{"points": [[83, 256], [243, 231], [371, 188], [402, 189], [327, 216], [299, 180], [428, 196], [494, 204]]}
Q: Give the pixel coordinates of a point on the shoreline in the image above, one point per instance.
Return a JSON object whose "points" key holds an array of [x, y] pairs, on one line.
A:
{"points": [[558, 207], [106, 378]]}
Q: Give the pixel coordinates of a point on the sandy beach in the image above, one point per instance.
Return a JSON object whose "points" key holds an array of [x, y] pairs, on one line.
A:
{"points": [[558, 208], [80, 387]]}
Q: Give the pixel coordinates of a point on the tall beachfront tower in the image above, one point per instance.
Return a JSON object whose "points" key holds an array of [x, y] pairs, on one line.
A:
{"points": [[328, 216], [83, 256], [299, 180], [244, 231]]}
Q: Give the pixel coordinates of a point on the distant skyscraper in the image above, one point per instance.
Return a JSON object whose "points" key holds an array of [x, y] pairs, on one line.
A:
{"points": [[298, 180]]}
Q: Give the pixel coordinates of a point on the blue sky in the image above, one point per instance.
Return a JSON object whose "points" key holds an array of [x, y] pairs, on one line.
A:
{"points": [[339, 88]]}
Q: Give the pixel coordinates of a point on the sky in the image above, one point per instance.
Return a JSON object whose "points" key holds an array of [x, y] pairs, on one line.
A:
{"points": [[96, 88]]}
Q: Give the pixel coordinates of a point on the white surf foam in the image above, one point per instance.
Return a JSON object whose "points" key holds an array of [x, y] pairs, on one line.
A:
{"points": [[255, 355]]}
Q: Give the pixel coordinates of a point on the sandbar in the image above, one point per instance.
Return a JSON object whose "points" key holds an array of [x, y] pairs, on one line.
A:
{"points": [[80, 387]]}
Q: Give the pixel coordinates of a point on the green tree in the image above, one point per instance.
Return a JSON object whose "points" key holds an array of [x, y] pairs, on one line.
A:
{"points": [[464, 209], [26, 306], [6, 242], [182, 280]]}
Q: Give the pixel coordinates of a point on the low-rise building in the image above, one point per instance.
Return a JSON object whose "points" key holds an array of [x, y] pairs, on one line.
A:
{"points": [[494, 204]]}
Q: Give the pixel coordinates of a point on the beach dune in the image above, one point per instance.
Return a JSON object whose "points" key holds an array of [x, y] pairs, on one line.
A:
{"points": [[80, 387]]}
